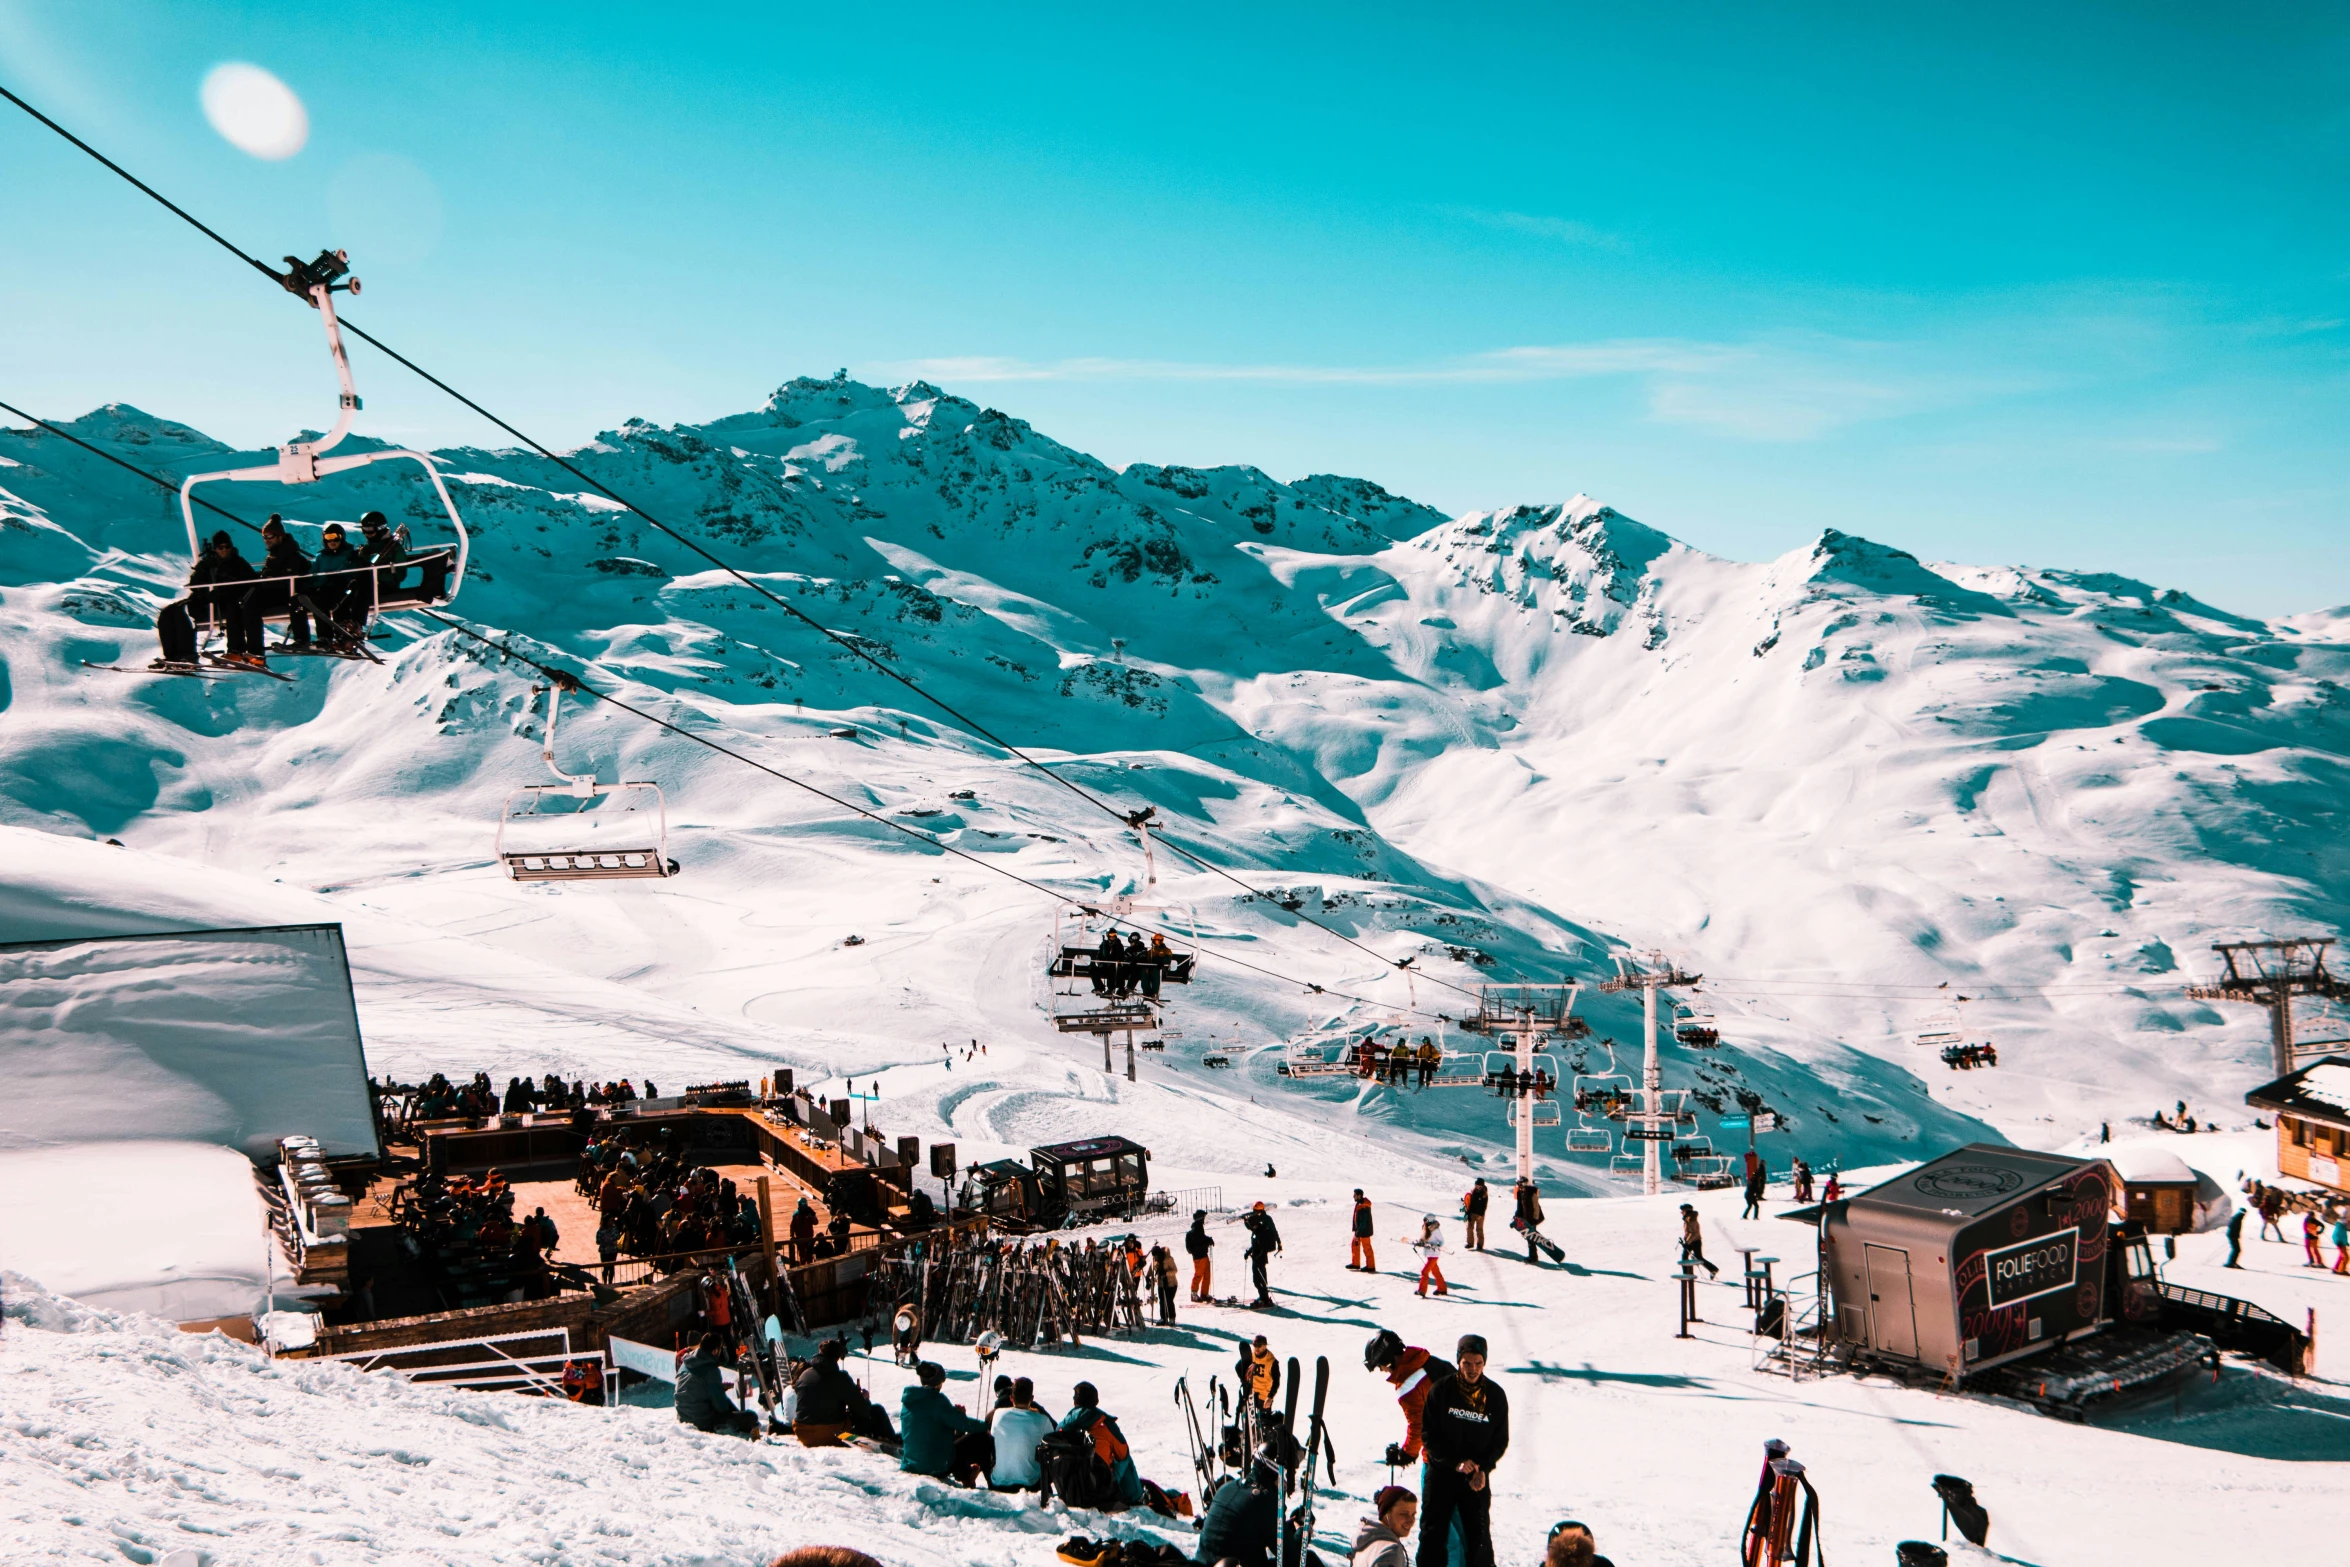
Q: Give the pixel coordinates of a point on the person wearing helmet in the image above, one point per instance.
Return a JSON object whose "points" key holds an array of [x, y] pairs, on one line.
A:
{"points": [[209, 598], [1411, 1371], [340, 590]]}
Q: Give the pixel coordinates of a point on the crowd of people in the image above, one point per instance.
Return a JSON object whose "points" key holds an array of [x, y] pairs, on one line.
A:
{"points": [[655, 1201], [439, 1099], [465, 1232], [336, 590]]}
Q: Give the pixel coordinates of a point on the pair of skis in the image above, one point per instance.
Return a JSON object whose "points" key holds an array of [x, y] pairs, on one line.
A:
{"points": [[1297, 1539], [1203, 1451], [746, 1312], [206, 669]]}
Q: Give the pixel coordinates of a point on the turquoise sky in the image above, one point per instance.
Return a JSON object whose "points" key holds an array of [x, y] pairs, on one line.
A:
{"points": [[2062, 285]]}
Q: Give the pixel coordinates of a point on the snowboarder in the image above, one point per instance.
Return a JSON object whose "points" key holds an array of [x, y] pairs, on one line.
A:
{"points": [[1264, 1241], [1693, 1241], [1473, 1215], [1197, 1243], [1413, 1373], [1359, 1256], [1528, 1217], [1380, 1542], [1467, 1423], [1430, 1246]]}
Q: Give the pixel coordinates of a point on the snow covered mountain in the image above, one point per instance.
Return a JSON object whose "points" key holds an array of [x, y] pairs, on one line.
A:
{"points": [[1507, 744]]}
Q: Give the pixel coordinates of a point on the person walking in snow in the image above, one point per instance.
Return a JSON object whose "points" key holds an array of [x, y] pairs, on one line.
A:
{"points": [[2235, 1239], [1473, 1215], [1264, 1242], [1380, 1540], [1430, 1246], [1755, 1176], [1467, 1425], [2271, 1204], [1359, 1256], [1802, 1181], [2341, 1238], [1835, 1191], [1693, 1241], [2312, 1232], [1197, 1243], [1528, 1217]]}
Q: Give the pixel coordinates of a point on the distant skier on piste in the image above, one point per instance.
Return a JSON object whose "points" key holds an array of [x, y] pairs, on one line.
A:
{"points": [[1360, 1258], [1473, 1205], [1412, 1372], [1527, 1218], [1264, 1241]]}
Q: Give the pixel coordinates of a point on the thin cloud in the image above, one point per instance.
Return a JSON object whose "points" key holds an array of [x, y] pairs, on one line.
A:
{"points": [[1799, 388], [1570, 231]]}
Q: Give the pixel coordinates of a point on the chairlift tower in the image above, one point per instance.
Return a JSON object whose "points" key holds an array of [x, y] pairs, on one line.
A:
{"points": [[1522, 1076], [1654, 1120], [2270, 974]]}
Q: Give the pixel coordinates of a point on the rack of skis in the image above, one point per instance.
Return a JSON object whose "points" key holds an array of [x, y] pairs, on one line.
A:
{"points": [[1258, 1446], [1024, 1293]]}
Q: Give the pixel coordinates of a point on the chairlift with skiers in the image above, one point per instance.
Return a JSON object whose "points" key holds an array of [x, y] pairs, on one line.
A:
{"points": [[580, 829], [376, 584], [1696, 1027]]}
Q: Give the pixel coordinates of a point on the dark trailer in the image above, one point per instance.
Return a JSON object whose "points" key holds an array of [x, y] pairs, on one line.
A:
{"points": [[1976, 1258]]}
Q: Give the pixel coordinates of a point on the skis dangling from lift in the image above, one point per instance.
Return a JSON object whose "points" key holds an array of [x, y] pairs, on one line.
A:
{"points": [[198, 671]]}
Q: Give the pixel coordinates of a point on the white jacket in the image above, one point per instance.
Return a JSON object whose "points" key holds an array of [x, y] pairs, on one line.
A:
{"points": [[1430, 1244]]}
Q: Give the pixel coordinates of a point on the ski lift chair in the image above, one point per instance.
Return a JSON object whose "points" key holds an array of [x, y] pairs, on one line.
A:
{"points": [[582, 830], [1697, 1029], [1607, 1092], [1590, 1139], [440, 568], [1545, 1112], [1626, 1162], [1940, 1031]]}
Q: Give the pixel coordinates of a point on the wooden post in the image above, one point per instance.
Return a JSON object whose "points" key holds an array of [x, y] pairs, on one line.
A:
{"points": [[767, 1245]]}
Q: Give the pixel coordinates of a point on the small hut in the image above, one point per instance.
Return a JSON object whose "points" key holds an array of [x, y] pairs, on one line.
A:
{"points": [[2158, 1189], [2312, 1107], [1978, 1257]]}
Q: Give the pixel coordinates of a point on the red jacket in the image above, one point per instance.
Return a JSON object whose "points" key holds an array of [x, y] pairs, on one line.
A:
{"points": [[1415, 1371]]}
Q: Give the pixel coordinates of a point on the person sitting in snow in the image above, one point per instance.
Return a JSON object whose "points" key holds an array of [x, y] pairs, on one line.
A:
{"points": [[1087, 1418], [702, 1401], [940, 1440]]}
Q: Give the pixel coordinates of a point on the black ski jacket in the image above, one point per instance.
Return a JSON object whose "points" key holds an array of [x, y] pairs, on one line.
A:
{"points": [[1198, 1241], [1263, 1238], [1461, 1422], [1244, 1519], [828, 1396]]}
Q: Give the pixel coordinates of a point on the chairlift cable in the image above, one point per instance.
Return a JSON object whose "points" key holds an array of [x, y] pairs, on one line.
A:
{"points": [[572, 683], [789, 608]]}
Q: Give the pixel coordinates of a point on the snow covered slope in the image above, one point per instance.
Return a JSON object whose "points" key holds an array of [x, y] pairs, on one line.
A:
{"points": [[1507, 744]]}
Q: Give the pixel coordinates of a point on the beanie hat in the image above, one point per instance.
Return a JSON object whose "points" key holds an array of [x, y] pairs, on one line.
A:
{"points": [[220, 538], [931, 1373], [1470, 1344], [1388, 1495]]}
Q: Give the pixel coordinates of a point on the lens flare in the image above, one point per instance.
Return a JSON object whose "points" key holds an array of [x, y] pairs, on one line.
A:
{"points": [[254, 111]]}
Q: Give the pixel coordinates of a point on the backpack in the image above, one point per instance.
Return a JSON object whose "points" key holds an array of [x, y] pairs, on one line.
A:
{"points": [[1078, 1473]]}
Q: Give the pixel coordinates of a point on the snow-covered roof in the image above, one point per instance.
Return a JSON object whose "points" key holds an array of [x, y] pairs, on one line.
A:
{"points": [[2319, 1091], [2142, 1164]]}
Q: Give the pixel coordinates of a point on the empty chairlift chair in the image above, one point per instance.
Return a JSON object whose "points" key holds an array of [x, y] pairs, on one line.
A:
{"points": [[582, 830]]}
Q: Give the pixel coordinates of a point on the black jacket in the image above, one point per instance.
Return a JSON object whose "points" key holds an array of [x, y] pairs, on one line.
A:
{"points": [[1460, 1422], [212, 573], [1263, 1238], [828, 1396], [285, 559], [1244, 1520], [1198, 1241]]}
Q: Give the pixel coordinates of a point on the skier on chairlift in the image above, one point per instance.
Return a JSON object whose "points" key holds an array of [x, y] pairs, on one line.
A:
{"points": [[209, 595]]}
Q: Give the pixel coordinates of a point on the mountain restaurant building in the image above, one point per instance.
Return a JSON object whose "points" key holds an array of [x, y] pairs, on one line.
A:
{"points": [[1981, 1256], [2312, 1107]]}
